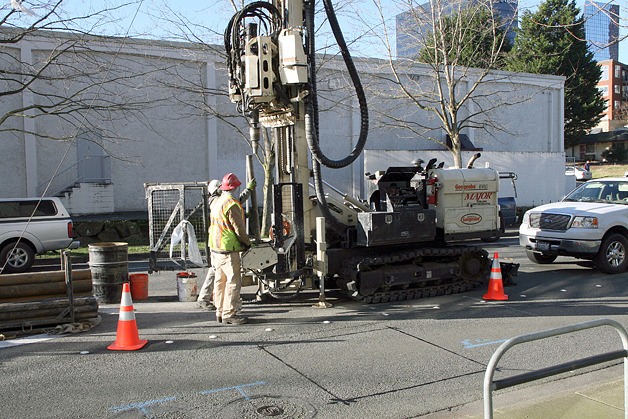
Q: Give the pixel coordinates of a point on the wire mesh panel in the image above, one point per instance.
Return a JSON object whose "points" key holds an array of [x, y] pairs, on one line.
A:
{"points": [[171, 205]]}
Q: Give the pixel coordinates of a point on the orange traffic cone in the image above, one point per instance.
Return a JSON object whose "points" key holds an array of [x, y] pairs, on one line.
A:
{"points": [[495, 284], [127, 336]]}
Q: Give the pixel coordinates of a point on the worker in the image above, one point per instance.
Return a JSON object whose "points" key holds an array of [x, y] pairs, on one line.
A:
{"points": [[227, 238], [205, 295], [204, 300]]}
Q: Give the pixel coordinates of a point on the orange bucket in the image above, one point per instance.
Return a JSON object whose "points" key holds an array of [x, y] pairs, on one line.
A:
{"points": [[139, 286]]}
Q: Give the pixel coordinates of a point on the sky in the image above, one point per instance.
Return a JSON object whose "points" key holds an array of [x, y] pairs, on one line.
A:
{"points": [[165, 19]]}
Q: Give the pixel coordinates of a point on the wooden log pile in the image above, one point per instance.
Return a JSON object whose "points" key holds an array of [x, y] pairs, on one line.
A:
{"points": [[38, 300]]}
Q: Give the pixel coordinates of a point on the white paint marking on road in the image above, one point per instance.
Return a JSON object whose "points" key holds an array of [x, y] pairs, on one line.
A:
{"points": [[26, 340], [109, 310]]}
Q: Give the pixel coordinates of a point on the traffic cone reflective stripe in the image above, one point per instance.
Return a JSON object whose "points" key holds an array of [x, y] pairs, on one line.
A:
{"points": [[127, 336], [495, 283]]}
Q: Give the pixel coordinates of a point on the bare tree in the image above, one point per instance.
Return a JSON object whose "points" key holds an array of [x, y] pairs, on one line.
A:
{"points": [[430, 69], [63, 72]]}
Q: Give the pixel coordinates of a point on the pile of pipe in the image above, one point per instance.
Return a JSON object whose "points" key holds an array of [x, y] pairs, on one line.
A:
{"points": [[40, 300]]}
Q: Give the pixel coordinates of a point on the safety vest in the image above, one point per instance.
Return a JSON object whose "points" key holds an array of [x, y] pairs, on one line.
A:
{"points": [[222, 236]]}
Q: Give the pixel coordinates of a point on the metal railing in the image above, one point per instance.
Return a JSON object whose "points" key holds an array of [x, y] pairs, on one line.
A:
{"points": [[490, 384]]}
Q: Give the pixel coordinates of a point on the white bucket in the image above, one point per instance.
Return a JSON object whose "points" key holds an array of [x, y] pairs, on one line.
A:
{"points": [[187, 289]]}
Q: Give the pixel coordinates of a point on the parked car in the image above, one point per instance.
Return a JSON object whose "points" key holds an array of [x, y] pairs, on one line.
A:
{"points": [[579, 172], [30, 226], [589, 223]]}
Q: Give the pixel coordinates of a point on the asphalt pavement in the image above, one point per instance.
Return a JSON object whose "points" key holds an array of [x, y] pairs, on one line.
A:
{"points": [[417, 358]]}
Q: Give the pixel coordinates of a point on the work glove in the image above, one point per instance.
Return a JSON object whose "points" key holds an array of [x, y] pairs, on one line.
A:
{"points": [[252, 184]]}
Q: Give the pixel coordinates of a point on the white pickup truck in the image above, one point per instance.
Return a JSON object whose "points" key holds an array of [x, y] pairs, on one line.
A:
{"points": [[590, 223], [30, 226]]}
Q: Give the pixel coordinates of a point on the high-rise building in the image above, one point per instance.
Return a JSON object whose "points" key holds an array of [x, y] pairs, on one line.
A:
{"points": [[601, 25], [411, 24]]}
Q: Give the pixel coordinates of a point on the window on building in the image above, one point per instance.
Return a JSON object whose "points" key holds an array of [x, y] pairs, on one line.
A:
{"points": [[603, 90], [616, 104], [590, 148], [617, 89], [617, 71], [604, 69]]}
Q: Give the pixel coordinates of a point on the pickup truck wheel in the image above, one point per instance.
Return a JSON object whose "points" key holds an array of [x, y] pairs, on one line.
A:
{"points": [[612, 258], [16, 259], [540, 258]]}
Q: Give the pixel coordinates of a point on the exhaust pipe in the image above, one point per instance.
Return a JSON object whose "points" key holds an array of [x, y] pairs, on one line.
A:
{"points": [[473, 159]]}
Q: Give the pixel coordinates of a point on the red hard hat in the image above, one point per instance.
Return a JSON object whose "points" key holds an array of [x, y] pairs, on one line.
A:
{"points": [[230, 182]]}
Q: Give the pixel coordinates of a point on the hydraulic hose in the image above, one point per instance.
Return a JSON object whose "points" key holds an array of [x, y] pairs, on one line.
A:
{"points": [[311, 104], [312, 120]]}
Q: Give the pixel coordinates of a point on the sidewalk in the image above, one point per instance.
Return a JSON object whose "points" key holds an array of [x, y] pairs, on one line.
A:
{"points": [[595, 395]]}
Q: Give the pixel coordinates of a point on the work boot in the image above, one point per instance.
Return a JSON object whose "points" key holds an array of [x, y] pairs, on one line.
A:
{"points": [[234, 320], [206, 305]]}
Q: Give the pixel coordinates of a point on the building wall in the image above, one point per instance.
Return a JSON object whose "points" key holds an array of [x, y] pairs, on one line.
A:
{"points": [[176, 124], [614, 87]]}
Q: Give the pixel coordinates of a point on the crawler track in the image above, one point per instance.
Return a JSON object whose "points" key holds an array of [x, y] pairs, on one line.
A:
{"points": [[470, 266]]}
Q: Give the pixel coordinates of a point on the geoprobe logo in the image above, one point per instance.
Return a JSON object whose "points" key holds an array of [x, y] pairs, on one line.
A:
{"points": [[464, 187], [470, 219]]}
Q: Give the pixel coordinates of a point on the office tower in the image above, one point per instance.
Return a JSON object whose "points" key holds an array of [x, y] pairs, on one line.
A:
{"points": [[601, 25]]}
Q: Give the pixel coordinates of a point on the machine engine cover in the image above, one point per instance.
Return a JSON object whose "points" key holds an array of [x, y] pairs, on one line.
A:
{"points": [[390, 228]]}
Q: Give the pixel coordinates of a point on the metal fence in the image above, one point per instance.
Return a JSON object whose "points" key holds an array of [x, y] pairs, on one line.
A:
{"points": [[170, 204]]}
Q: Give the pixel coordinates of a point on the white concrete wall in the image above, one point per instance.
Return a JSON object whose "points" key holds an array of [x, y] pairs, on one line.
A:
{"points": [[89, 198], [175, 136]]}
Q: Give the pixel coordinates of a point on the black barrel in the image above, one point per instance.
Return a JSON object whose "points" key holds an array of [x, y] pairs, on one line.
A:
{"points": [[109, 264]]}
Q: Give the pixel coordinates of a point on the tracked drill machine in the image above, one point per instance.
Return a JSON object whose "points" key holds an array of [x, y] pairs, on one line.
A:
{"points": [[397, 244]]}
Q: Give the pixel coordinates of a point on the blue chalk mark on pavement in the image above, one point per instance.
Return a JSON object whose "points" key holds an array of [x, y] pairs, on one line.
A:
{"points": [[238, 388], [480, 342], [141, 406]]}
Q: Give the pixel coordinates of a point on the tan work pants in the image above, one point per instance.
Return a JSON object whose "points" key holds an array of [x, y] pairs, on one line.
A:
{"points": [[208, 286], [227, 283]]}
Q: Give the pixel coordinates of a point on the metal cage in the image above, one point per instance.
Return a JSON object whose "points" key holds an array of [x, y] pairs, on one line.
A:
{"points": [[168, 205]]}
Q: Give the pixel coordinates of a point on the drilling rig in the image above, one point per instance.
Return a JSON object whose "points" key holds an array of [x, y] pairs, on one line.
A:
{"points": [[404, 240]]}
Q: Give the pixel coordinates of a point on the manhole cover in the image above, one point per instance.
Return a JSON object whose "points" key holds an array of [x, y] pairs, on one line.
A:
{"points": [[268, 406], [270, 410]]}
